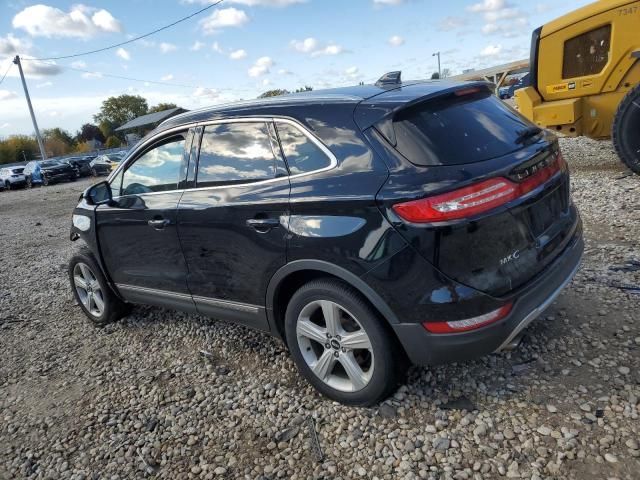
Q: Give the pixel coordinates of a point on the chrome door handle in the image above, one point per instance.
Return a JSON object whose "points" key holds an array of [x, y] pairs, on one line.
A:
{"points": [[263, 225], [159, 224]]}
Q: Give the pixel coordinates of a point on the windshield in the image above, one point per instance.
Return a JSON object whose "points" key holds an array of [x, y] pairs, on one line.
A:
{"points": [[50, 163], [456, 130], [17, 170]]}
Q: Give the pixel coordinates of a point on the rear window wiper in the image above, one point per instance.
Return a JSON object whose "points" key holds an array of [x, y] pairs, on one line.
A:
{"points": [[527, 133]]}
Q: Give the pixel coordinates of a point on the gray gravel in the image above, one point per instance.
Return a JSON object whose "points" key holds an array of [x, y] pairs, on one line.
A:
{"points": [[169, 395]]}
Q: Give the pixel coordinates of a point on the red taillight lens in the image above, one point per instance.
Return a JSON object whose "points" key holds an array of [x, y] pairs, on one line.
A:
{"points": [[474, 199], [469, 323]]}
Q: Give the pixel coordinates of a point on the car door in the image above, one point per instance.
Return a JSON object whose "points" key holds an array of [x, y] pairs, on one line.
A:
{"points": [[137, 232], [230, 223]]}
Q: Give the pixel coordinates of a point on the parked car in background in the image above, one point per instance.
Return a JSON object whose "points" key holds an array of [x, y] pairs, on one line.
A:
{"points": [[44, 172], [510, 91], [81, 164], [12, 177], [368, 227], [104, 164]]}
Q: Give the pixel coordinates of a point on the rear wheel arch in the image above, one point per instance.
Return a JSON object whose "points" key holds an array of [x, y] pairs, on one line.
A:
{"points": [[292, 276]]}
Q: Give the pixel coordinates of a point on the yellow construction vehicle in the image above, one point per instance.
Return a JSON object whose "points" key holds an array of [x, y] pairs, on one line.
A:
{"points": [[585, 76]]}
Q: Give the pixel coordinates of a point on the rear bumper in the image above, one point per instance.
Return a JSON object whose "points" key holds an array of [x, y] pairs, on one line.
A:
{"points": [[424, 348]]}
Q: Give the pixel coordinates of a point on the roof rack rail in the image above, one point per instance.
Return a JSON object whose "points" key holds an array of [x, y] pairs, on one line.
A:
{"points": [[389, 78]]}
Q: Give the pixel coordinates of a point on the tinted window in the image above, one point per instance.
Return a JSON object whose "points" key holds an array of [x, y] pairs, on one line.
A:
{"points": [[18, 170], [235, 153], [586, 54], [458, 129], [301, 153], [157, 170]]}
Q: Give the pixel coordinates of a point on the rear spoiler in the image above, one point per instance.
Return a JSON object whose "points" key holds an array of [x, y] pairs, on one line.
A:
{"points": [[380, 110]]}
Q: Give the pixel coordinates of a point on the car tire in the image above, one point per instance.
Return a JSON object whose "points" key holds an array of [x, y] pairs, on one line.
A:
{"points": [[45, 181], [324, 354], [95, 297], [29, 181], [93, 172], [626, 124], [7, 185]]}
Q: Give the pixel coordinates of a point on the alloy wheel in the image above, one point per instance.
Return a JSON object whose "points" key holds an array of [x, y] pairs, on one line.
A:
{"points": [[335, 346], [88, 289]]}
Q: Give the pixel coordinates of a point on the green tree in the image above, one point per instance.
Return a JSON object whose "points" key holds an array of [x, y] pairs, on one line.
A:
{"points": [[112, 142], [435, 76], [57, 134], [88, 132], [120, 110], [107, 128], [273, 93], [161, 107], [19, 148], [306, 88]]}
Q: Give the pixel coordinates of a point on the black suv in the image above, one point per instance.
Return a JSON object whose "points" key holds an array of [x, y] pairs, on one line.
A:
{"points": [[367, 227]]}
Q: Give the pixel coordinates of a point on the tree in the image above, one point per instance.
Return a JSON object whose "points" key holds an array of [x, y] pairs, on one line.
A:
{"points": [[107, 128], [306, 88], [19, 148], [273, 93], [56, 147], [57, 134], [435, 76], [161, 107], [445, 73], [122, 109], [89, 132], [112, 142]]}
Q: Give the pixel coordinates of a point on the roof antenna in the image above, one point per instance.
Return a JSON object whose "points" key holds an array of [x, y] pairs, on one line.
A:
{"points": [[390, 78]]}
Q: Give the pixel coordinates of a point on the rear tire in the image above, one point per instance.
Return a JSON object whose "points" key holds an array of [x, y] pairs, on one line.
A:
{"points": [[92, 292], [626, 125], [45, 181], [354, 360]]}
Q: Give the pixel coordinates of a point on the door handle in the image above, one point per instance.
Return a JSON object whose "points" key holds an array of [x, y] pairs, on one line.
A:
{"points": [[159, 224], [263, 225]]}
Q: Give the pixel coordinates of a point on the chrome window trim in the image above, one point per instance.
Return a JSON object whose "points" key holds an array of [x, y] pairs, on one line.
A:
{"points": [[215, 302], [333, 161]]}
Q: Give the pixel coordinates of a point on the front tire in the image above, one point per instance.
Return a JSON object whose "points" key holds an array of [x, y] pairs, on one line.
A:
{"points": [[626, 125], [92, 292], [29, 182], [45, 181], [341, 345]]}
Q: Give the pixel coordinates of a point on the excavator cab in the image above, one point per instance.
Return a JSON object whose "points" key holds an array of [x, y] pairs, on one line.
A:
{"points": [[585, 76]]}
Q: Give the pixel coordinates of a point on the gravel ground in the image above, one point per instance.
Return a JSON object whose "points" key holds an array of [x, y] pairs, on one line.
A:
{"points": [[169, 395]]}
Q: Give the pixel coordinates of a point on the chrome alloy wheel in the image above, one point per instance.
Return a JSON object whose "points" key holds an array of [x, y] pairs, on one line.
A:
{"points": [[335, 346], [88, 289]]}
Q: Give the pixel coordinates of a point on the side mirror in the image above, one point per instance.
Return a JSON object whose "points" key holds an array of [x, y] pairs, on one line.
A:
{"points": [[99, 194]]}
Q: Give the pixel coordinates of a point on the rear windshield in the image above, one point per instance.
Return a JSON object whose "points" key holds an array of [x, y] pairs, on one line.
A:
{"points": [[456, 130]]}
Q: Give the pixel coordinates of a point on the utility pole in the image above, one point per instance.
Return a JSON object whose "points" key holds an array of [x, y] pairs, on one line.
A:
{"points": [[439, 71], [33, 116]]}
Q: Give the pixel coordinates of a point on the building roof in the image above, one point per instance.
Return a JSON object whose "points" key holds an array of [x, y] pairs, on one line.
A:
{"points": [[150, 119]]}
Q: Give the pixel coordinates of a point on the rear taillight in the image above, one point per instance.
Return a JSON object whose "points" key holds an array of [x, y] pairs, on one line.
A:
{"points": [[475, 199], [469, 323]]}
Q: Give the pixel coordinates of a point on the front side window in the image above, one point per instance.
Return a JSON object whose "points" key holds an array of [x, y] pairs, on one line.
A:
{"points": [[301, 153], [157, 170], [586, 54], [235, 153]]}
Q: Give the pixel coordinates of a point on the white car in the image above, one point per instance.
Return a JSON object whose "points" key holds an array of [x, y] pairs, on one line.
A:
{"points": [[12, 177]]}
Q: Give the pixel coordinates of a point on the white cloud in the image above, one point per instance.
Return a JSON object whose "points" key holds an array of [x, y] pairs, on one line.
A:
{"points": [[167, 47], [314, 48], [451, 23], [284, 71], [224, 18], [38, 69], [491, 50], [197, 46], [80, 22], [206, 93], [91, 75], [78, 64], [167, 78], [5, 125], [238, 54], [261, 67], [44, 84], [396, 41], [12, 45], [254, 3], [217, 48], [123, 54], [266, 82], [6, 94], [488, 6]]}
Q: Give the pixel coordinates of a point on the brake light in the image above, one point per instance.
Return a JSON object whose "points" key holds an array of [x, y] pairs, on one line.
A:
{"points": [[467, 324], [475, 199]]}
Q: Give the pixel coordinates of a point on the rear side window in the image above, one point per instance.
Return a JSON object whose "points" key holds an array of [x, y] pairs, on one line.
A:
{"points": [[301, 153], [456, 130], [586, 54], [235, 153]]}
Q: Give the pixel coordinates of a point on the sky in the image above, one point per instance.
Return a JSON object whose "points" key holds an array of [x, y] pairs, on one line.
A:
{"points": [[241, 48]]}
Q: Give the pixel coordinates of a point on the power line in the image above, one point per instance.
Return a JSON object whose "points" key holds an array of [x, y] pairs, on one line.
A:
{"points": [[120, 77], [131, 40], [6, 72]]}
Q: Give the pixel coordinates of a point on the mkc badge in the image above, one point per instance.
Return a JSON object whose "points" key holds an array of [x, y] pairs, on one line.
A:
{"points": [[510, 258]]}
